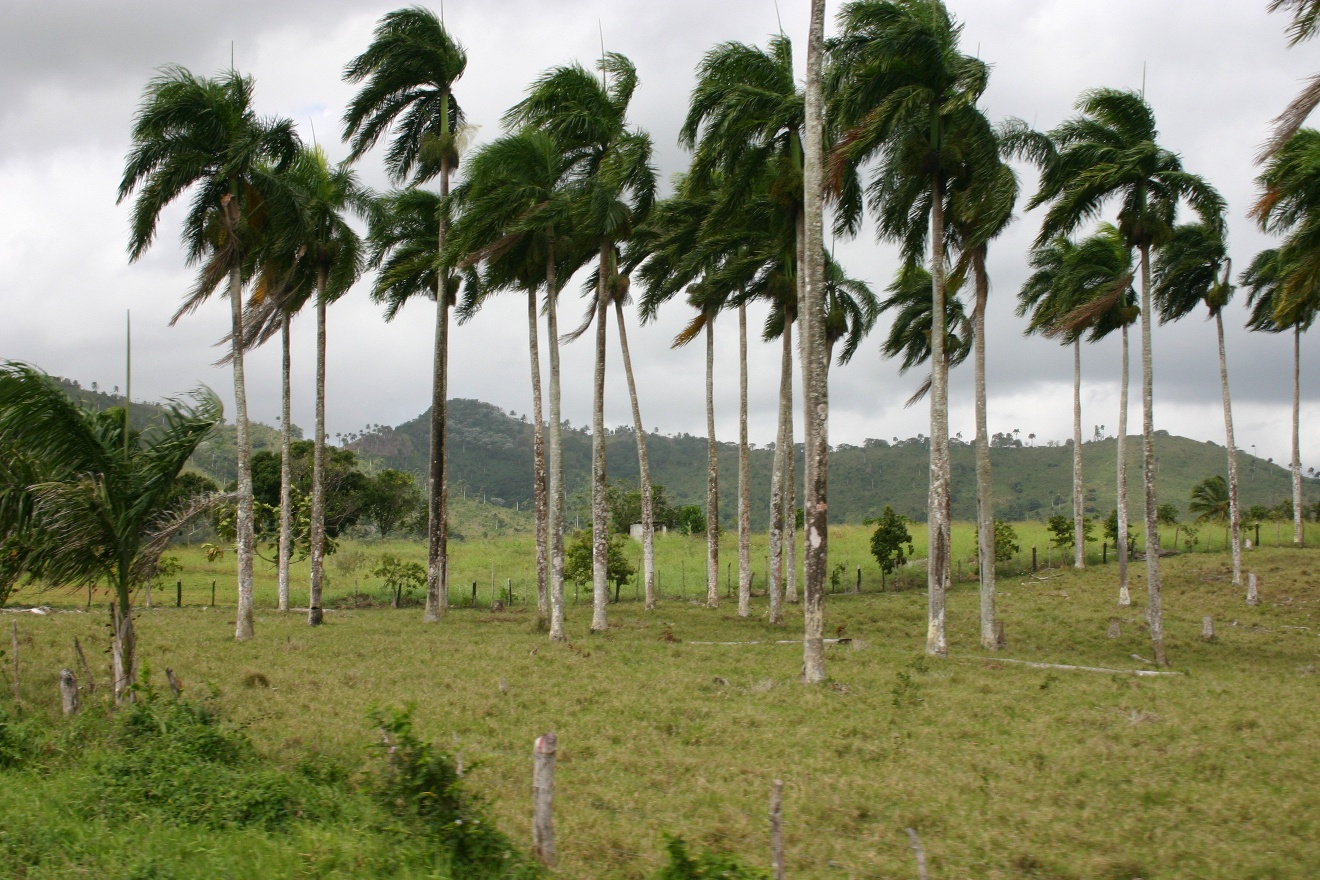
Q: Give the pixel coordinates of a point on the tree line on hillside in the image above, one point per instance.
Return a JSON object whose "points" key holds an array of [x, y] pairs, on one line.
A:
{"points": [[889, 126]]}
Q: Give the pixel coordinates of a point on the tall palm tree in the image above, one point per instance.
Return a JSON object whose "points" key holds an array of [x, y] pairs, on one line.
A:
{"points": [[615, 189], [193, 133], [1110, 151], [1283, 295], [905, 95], [409, 70], [1193, 268], [513, 219], [1305, 22], [910, 332], [101, 504]]}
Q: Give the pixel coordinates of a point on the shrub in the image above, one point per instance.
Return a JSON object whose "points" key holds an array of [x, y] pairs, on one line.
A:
{"points": [[707, 866]]}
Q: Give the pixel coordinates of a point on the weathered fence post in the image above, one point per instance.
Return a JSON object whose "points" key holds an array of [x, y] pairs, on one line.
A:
{"points": [[1033, 558], [777, 829], [87, 670], [213, 593], [543, 793], [178, 594], [176, 687], [1253, 593], [14, 636], [1115, 628], [68, 691], [1208, 628]]}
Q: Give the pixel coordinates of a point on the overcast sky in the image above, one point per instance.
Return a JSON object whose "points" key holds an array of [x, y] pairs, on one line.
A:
{"points": [[1215, 72]]}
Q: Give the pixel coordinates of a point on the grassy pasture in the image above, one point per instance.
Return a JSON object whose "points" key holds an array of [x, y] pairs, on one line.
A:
{"points": [[1005, 771]]}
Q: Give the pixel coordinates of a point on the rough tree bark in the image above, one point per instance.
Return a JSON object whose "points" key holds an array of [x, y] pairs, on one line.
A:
{"points": [[712, 476], [643, 467], [555, 516], [314, 612], [1154, 612], [437, 527], [1124, 596], [286, 477], [539, 491], [1296, 450], [938, 529], [985, 509], [244, 620], [1079, 531], [1234, 510], [783, 448], [744, 477], [600, 523]]}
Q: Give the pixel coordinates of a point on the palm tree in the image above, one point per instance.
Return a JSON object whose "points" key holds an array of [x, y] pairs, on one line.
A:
{"points": [[904, 94], [99, 500], [1110, 151], [199, 134], [614, 191], [409, 70], [910, 332], [1193, 268], [514, 212], [1305, 22], [1283, 295], [1212, 502]]}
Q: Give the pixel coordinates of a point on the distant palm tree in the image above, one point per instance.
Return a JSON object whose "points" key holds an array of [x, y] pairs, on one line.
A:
{"points": [[100, 500], [409, 71], [1211, 502], [1193, 268], [1110, 151], [199, 134]]}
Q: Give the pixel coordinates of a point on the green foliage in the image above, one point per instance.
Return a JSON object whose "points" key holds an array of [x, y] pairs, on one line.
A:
{"points": [[1210, 501], [708, 865], [890, 540], [419, 786], [1061, 530], [1006, 541], [391, 498], [401, 578], [578, 561]]}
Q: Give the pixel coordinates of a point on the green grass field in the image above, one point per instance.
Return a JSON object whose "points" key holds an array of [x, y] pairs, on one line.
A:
{"points": [[1004, 770]]}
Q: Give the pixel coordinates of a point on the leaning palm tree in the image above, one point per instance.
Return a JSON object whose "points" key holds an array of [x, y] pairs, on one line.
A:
{"points": [[905, 95], [614, 190], [199, 134], [1193, 268], [1283, 296], [1211, 502], [409, 71], [1110, 151], [99, 500]]}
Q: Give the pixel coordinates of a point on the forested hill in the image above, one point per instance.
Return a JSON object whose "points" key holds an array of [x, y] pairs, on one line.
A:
{"points": [[490, 454]]}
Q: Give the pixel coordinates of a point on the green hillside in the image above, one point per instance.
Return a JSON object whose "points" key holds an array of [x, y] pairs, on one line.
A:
{"points": [[490, 456]]}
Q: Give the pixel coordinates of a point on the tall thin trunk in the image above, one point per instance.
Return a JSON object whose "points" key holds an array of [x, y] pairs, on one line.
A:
{"points": [[985, 507], [286, 477], [123, 647], [1079, 530], [816, 391], [712, 476], [539, 499], [1296, 427], [555, 516], [744, 477], [437, 527], [1155, 612], [1124, 596], [790, 514], [938, 526], [244, 622], [1234, 510], [600, 523], [783, 447], [318, 463], [643, 468]]}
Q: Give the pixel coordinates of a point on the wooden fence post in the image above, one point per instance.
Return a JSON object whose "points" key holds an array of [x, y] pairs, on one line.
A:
{"points": [[1033, 558], [1208, 628], [1115, 628], [543, 793], [87, 670], [68, 691], [777, 830], [178, 594], [1253, 594], [14, 638]]}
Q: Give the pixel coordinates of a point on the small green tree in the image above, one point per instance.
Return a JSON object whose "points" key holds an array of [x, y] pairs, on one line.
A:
{"points": [[1061, 530], [578, 562], [891, 542], [400, 577], [1006, 541]]}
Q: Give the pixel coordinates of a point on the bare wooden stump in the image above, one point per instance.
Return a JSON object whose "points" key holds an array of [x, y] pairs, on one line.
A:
{"points": [[1208, 628], [921, 853], [1115, 627], [68, 692], [777, 830], [543, 793], [176, 686], [1253, 589]]}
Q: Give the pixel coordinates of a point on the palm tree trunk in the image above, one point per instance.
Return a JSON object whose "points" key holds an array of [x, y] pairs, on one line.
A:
{"points": [[244, 625], [1234, 510], [816, 390], [985, 510], [600, 538], [1155, 612], [712, 476], [790, 513], [1124, 596], [1079, 531], [123, 645], [437, 528], [539, 501], [1296, 425], [286, 477], [775, 574], [744, 477], [938, 526], [555, 516], [314, 612], [643, 468]]}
